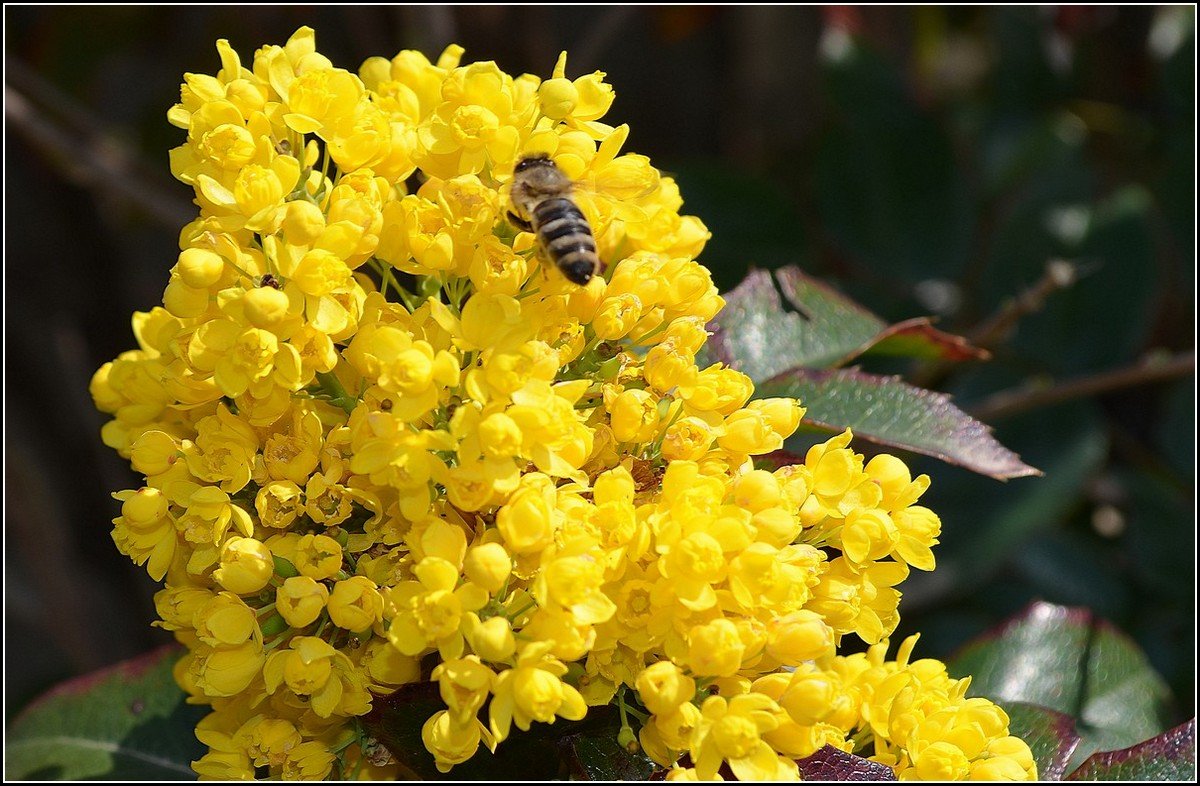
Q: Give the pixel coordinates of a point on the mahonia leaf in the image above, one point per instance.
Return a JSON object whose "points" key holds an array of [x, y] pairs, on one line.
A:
{"points": [[891, 412], [918, 338], [593, 754], [804, 323], [831, 764], [127, 722], [1171, 756], [396, 720], [1051, 736], [757, 335], [776, 459], [1069, 661]]}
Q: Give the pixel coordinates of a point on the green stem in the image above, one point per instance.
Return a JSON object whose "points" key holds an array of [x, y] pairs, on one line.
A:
{"points": [[516, 614], [641, 340], [283, 636], [325, 165], [622, 708], [643, 717], [338, 396]]}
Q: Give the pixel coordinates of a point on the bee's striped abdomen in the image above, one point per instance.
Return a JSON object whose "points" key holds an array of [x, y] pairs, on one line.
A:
{"points": [[567, 238]]}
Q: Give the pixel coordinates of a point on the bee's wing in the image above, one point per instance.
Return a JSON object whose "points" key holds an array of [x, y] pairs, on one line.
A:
{"points": [[623, 206]]}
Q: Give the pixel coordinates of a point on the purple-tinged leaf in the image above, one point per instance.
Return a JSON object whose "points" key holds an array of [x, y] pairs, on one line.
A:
{"points": [[771, 324], [1050, 735], [759, 335], [831, 764], [890, 412], [1067, 660], [129, 722], [776, 459], [1171, 756], [918, 338]]}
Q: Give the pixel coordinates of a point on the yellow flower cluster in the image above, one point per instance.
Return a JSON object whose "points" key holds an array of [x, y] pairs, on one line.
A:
{"points": [[385, 441]]}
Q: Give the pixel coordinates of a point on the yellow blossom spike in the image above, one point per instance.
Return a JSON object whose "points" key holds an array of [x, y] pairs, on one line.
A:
{"points": [[377, 428]]}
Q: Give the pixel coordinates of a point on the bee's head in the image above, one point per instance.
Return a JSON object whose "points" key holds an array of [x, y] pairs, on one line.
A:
{"points": [[532, 161]]}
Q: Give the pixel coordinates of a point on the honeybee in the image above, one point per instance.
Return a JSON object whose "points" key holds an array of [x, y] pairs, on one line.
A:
{"points": [[542, 192]]}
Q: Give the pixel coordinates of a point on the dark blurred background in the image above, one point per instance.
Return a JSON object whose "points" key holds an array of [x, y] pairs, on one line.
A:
{"points": [[927, 161]]}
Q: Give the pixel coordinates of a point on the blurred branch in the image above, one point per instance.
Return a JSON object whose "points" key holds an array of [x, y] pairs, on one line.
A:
{"points": [[75, 141], [1013, 402], [1059, 275]]}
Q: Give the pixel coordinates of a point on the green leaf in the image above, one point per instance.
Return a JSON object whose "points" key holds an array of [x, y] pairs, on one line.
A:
{"points": [[1050, 735], [1171, 756], [594, 755], [128, 723], [890, 412], [1067, 660], [788, 320], [756, 334]]}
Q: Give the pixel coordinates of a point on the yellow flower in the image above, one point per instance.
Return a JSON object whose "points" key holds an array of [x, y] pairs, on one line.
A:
{"points": [[479, 124], [355, 604], [798, 637], [144, 531], [300, 600], [269, 740], [714, 649], [246, 565], [308, 761], [464, 684], [312, 668], [318, 556], [918, 529], [668, 735], [410, 370], [279, 503], [730, 731], [226, 671], [663, 686], [387, 667], [449, 742], [225, 621], [533, 690], [527, 522], [578, 103], [868, 535], [488, 565], [571, 579], [492, 639], [429, 611], [634, 416], [223, 451]]}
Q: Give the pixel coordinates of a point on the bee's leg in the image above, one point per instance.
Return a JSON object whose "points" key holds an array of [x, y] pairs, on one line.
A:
{"points": [[519, 222]]}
